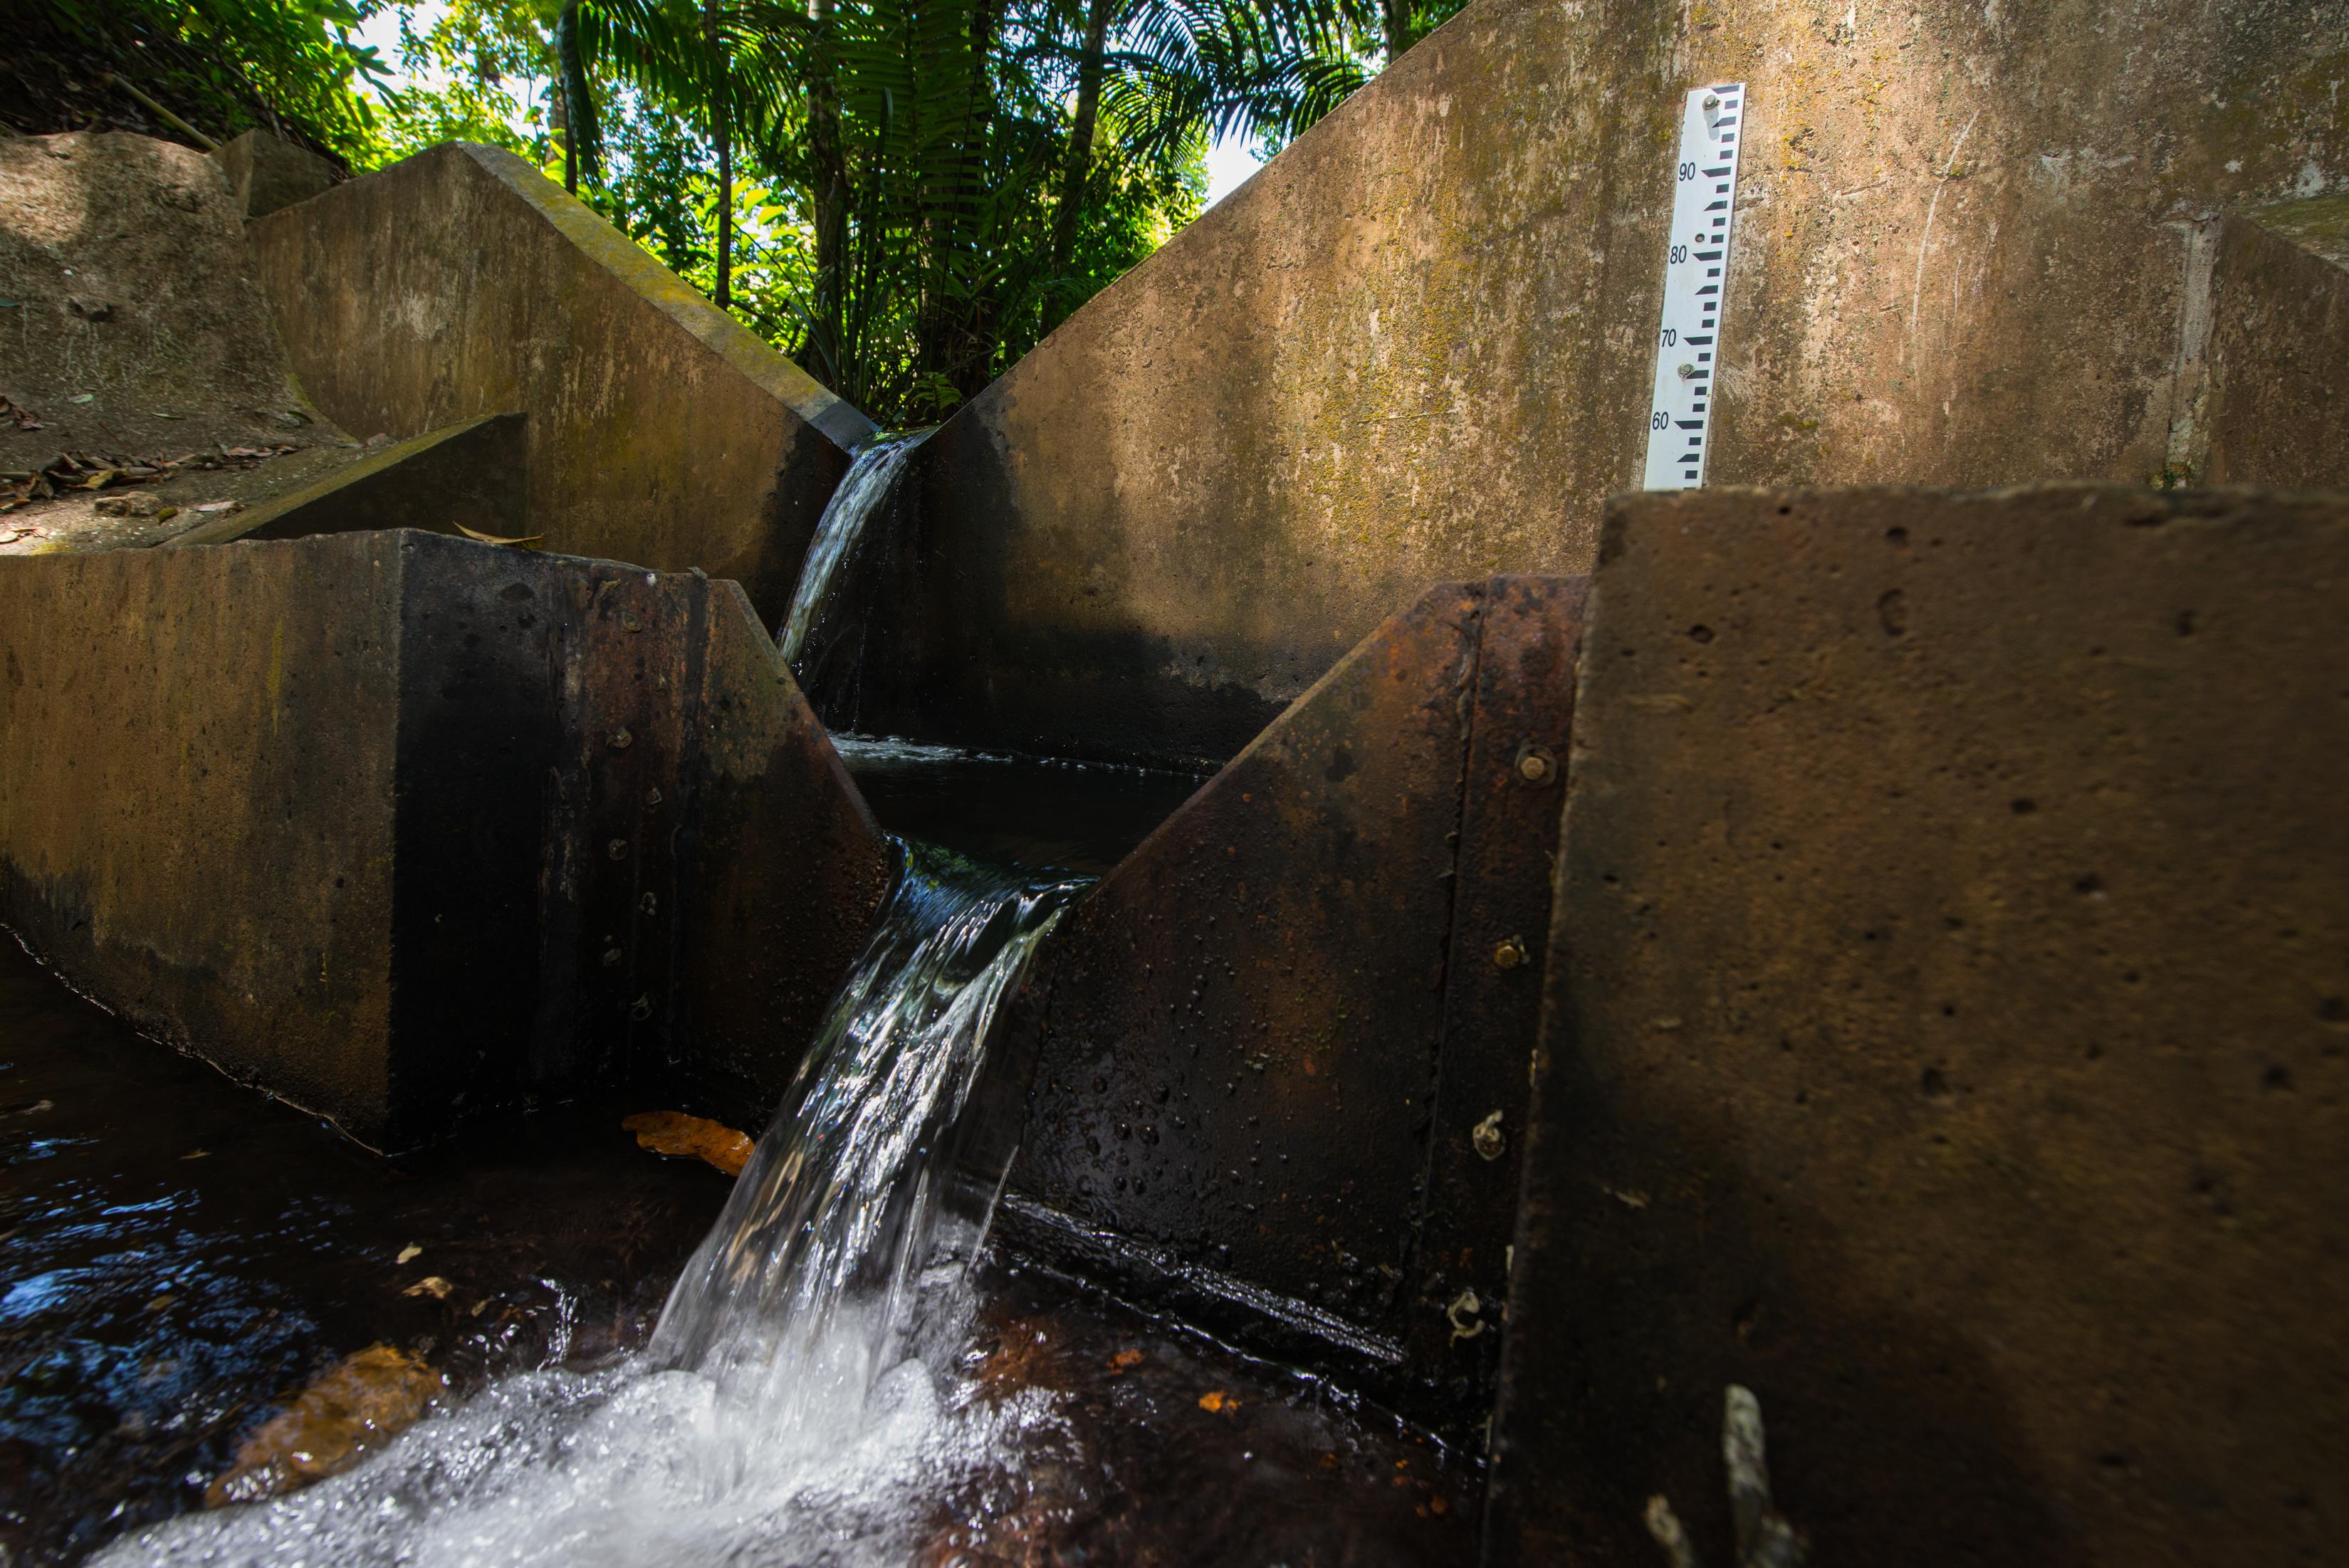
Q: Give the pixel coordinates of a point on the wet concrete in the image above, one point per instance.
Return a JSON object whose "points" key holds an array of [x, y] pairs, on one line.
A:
{"points": [[1043, 812], [1278, 1055], [183, 1258], [402, 827]]}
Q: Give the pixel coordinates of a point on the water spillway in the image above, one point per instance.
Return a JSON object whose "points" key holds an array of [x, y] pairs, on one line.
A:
{"points": [[839, 534], [783, 1406]]}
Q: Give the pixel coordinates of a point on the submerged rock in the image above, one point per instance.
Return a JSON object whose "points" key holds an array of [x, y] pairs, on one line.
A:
{"points": [[362, 1402]]}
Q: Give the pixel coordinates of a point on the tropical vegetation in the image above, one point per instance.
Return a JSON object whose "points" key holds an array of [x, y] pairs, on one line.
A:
{"points": [[904, 195]]}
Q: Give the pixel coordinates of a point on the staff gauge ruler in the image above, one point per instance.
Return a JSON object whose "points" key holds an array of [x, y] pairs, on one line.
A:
{"points": [[1696, 263]]}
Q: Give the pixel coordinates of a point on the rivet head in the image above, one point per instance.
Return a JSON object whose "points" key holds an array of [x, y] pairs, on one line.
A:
{"points": [[652, 797], [617, 849], [642, 1008], [1508, 955], [1487, 1137], [1536, 766], [649, 903], [612, 957], [622, 740]]}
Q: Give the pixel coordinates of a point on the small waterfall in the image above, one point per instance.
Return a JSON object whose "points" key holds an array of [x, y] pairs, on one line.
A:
{"points": [[864, 489], [802, 1284], [795, 1409]]}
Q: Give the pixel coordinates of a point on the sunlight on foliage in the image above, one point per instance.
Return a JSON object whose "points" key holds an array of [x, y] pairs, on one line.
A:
{"points": [[904, 195]]}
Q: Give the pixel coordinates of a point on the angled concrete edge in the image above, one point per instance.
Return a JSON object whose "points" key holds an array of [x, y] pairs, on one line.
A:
{"points": [[751, 357], [461, 281], [1420, 342], [402, 827], [1947, 1033], [471, 475], [2275, 316], [1259, 1054], [267, 172]]}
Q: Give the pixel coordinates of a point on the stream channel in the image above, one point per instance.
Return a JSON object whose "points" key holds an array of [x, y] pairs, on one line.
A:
{"points": [[619, 1358]]}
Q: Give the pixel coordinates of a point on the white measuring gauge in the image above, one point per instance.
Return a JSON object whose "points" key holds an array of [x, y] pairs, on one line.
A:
{"points": [[1696, 262]]}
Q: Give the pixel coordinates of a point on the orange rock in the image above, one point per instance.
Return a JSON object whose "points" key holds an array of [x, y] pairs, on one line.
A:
{"points": [[696, 1138], [358, 1405]]}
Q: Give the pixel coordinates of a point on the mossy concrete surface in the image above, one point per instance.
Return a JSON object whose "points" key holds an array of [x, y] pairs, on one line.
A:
{"points": [[1947, 1033], [402, 827], [1418, 345], [461, 281]]}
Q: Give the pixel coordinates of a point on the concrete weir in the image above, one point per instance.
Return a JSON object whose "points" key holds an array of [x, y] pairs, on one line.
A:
{"points": [[1974, 245], [402, 827], [1944, 1032], [1276, 1057], [461, 282]]}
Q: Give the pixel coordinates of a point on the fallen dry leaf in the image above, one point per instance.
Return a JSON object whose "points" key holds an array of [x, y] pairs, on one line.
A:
{"points": [[476, 533], [431, 1285], [1125, 1361], [410, 1253], [1216, 1402], [361, 1402], [693, 1137]]}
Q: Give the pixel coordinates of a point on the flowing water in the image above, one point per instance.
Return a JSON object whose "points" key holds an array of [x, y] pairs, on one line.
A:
{"points": [[783, 1414], [863, 490], [841, 1373]]}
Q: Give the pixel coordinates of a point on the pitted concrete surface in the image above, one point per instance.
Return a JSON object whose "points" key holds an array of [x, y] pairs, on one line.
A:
{"points": [[1947, 1032]]}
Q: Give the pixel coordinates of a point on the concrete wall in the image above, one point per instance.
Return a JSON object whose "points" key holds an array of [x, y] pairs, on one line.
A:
{"points": [[402, 827], [1418, 345], [473, 474], [267, 172], [1947, 1033], [178, 834], [461, 283], [2278, 397], [1262, 1046]]}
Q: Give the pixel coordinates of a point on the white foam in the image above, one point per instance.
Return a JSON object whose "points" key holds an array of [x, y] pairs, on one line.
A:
{"points": [[802, 1402]]}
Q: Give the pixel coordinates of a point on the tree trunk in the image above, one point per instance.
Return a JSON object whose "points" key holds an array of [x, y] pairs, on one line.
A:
{"points": [[576, 102], [718, 125], [563, 129], [1080, 160], [829, 197], [1400, 36], [955, 334]]}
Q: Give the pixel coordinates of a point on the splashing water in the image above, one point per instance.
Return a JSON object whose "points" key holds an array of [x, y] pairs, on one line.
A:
{"points": [[863, 490], [785, 1413]]}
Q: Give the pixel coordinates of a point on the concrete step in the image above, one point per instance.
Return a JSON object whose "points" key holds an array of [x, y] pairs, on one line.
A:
{"points": [[402, 827]]}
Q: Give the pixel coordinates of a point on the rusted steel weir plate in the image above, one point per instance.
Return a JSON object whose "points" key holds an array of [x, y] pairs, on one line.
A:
{"points": [[1279, 1056]]}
